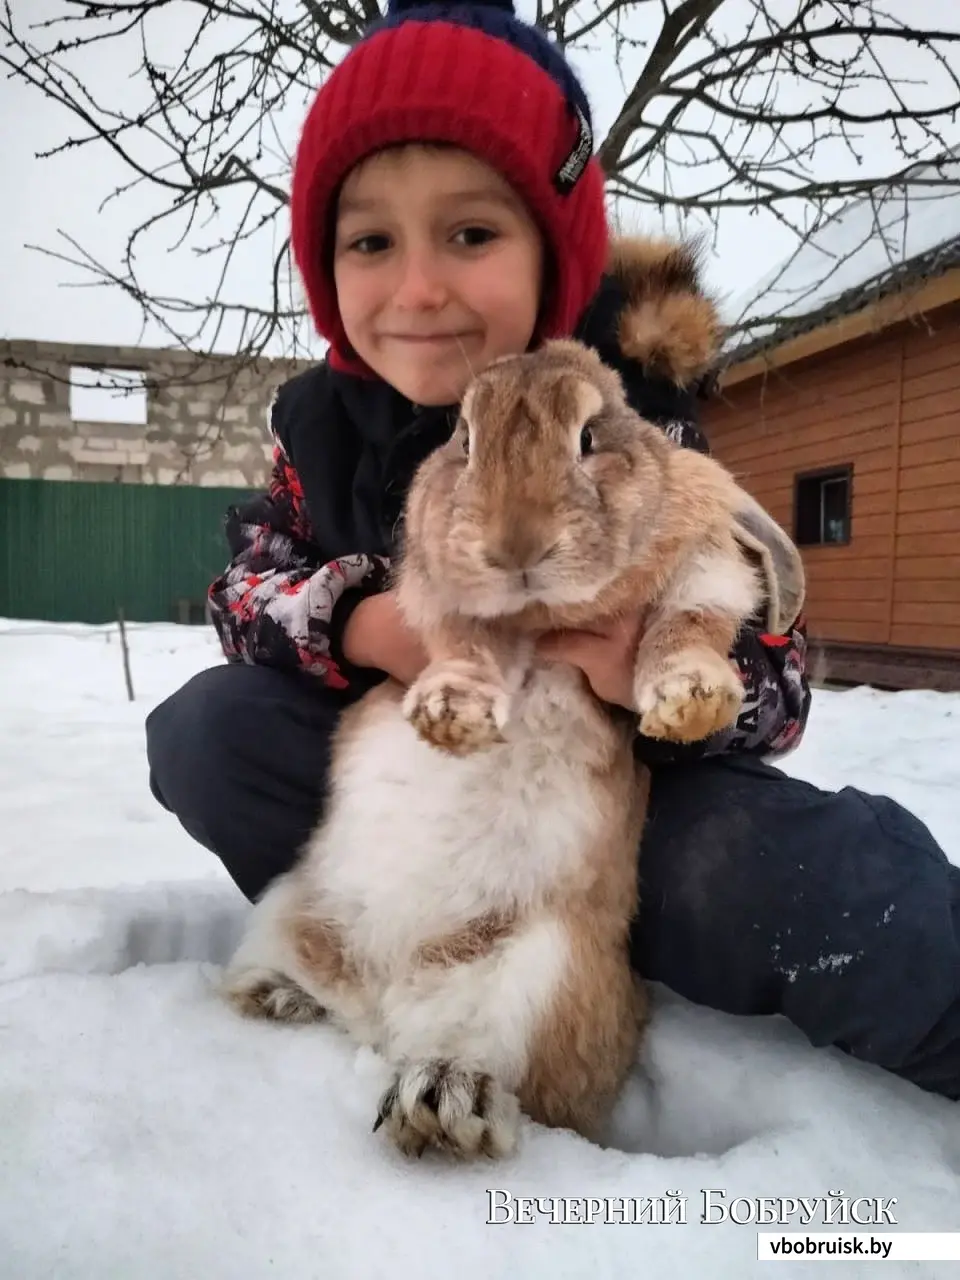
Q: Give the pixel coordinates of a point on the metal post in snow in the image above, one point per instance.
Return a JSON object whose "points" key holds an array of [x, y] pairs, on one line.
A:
{"points": [[126, 655]]}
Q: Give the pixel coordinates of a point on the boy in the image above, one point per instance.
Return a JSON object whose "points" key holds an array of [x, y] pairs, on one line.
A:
{"points": [[446, 210]]}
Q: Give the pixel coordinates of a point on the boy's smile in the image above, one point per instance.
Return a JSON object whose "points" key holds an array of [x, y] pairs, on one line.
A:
{"points": [[438, 267]]}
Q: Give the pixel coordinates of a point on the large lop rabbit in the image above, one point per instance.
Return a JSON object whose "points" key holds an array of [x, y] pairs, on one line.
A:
{"points": [[465, 910]]}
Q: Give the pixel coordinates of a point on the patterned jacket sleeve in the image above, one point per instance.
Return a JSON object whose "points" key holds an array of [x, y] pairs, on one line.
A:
{"points": [[776, 699], [275, 603], [776, 702]]}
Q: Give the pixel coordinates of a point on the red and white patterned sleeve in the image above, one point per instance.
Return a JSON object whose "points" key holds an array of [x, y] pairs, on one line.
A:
{"points": [[776, 702], [274, 604]]}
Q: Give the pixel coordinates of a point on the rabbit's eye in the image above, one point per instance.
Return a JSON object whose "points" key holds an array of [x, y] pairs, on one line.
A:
{"points": [[586, 441]]}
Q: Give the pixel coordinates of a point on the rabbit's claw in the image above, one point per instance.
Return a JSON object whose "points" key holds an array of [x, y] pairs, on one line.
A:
{"points": [[694, 695], [438, 1104], [453, 706], [262, 993]]}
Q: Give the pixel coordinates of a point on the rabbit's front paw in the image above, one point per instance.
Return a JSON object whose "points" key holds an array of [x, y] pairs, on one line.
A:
{"points": [[695, 694], [455, 707], [437, 1104]]}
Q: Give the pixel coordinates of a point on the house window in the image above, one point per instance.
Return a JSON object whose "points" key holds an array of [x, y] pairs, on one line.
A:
{"points": [[108, 395], [822, 507]]}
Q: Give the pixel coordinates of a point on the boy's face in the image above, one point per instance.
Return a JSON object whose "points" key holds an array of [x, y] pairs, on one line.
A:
{"points": [[438, 268]]}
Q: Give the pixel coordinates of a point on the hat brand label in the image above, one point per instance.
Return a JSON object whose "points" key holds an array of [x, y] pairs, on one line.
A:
{"points": [[571, 171]]}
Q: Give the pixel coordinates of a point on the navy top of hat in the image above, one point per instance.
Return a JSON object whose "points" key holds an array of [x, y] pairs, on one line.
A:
{"points": [[494, 18], [404, 6]]}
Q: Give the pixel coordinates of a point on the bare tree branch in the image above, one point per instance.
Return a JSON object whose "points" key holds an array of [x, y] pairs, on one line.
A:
{"points": [[679, 28], [772, 106]]}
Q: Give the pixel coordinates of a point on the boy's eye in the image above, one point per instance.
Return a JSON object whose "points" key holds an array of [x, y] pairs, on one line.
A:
{"points": [[472, 237], [369, 244]]}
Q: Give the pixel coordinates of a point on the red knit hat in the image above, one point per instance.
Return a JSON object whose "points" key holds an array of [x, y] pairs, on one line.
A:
{"points": [[473, 76]]}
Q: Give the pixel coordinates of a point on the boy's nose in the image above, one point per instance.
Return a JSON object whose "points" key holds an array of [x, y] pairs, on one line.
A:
{"points": [[421, 285]]}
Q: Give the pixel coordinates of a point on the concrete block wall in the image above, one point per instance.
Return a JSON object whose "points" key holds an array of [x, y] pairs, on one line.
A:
{"points": [[206, 417]]}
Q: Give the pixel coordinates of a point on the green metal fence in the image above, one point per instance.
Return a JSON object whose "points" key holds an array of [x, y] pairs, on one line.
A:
{"points": [[76, 552]]}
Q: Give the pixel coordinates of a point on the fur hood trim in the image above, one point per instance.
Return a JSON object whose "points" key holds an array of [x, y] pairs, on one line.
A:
{"points": [[668, 323]]}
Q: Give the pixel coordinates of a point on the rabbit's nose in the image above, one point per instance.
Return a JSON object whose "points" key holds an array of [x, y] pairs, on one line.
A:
{"points": [[517, 554]]}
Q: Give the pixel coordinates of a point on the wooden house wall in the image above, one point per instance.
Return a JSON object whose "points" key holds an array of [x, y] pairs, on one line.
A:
{"points": [[889, 405]]}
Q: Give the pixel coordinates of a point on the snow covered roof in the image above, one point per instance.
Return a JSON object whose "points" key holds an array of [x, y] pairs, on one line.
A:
{"points": [[871, 247]]}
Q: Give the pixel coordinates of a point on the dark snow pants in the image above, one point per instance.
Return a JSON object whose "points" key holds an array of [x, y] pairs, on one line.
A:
{"points": [[759, 894]]}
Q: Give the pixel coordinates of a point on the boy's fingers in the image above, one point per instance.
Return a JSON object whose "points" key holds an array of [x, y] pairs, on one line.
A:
{"points": [[620, 631], [568, 646]]}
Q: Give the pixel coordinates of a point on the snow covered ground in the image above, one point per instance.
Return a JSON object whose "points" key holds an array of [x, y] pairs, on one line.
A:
{"points": [[146, 1132]]}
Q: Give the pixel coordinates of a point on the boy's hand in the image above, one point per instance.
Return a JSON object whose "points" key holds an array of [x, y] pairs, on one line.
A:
{"points": [[606, 654], [377, 636]]}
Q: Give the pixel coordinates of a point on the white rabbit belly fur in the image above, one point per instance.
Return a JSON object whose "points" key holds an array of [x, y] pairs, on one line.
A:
{"points": [[416, 845], [419, 843]]}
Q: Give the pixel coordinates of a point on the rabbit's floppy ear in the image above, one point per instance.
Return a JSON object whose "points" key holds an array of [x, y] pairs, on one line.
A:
{"points": [[780, 561], [667, 324]]}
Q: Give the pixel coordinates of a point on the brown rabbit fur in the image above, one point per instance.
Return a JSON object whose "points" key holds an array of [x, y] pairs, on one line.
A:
{"points": [[512, 531], [466, 910]]}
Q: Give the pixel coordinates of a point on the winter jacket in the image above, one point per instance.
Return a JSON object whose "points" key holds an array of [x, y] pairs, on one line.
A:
{"points": [[345, 450]]}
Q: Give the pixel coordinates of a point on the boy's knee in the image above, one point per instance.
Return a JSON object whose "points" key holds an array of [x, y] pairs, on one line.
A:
{"points": [[239, 756], [760, 894], [229, 725], [240, 728], [193, 724]]}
